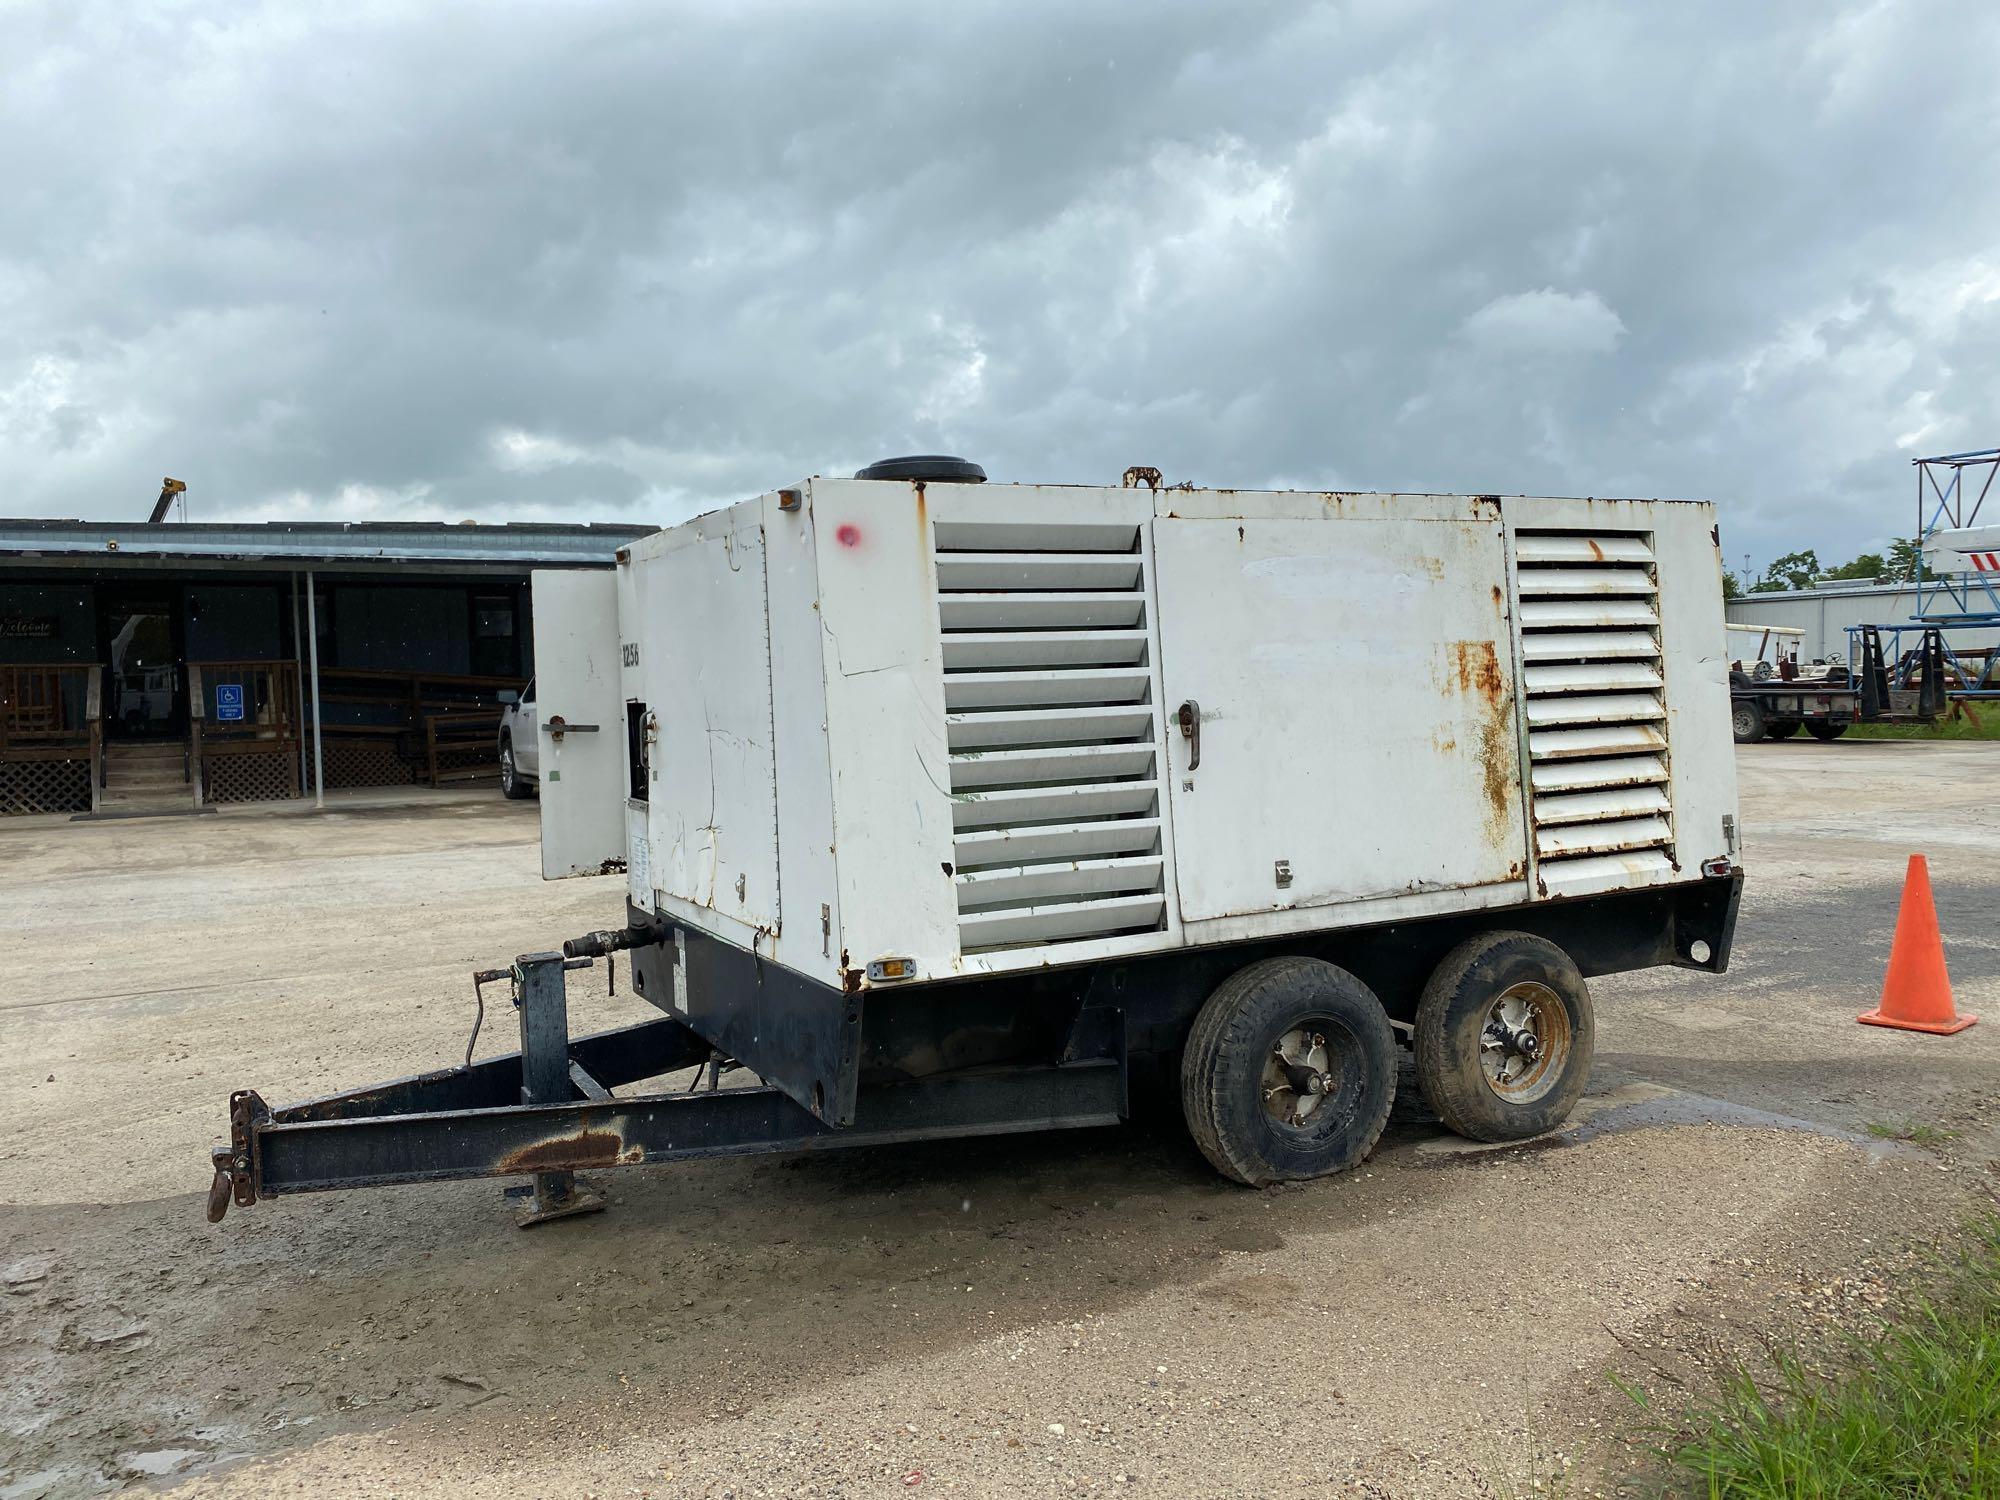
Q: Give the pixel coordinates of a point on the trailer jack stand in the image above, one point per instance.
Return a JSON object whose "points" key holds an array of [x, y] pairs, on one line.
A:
{"points": [[542, 999], [552, 1196]]}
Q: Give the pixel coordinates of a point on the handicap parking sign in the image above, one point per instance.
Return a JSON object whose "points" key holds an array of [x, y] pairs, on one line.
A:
{"points": [[229, 700]]}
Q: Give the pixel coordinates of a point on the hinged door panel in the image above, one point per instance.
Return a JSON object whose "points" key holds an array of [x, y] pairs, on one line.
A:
{"points": [[713, 796], [579, 722], [1345, 691]]}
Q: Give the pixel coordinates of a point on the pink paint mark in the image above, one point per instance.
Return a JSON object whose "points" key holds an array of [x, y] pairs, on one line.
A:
{"points": [[849, 535]]}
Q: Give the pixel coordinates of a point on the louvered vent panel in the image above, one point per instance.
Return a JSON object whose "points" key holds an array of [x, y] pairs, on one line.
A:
{"points": [[1053, 732], [1597, 719]]}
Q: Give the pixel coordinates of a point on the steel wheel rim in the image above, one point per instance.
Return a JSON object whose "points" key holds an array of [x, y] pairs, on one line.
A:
{"points": [[1524, 1042], [1741, 720], [1302, 1075]]}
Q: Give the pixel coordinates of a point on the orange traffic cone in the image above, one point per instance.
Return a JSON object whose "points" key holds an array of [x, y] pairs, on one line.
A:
{"points": [[1916, 992]]}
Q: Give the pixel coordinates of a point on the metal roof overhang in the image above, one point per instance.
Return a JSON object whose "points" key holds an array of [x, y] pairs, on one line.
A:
{"points": [[296, 546]]}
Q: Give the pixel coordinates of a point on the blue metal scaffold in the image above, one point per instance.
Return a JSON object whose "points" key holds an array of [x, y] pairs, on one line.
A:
{"points": [[1957, 619]]}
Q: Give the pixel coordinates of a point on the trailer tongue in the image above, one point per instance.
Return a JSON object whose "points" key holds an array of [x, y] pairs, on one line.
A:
{"points": [[548, 1111]]}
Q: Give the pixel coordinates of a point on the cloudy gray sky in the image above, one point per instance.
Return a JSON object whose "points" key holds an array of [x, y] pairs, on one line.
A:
{"points": [[626, 261]]}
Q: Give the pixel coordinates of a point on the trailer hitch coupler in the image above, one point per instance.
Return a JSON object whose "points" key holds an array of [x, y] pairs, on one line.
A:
{"points": [[223, 1188], [234, 1180]]}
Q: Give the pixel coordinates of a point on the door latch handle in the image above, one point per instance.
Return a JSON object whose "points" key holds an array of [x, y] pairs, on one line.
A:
{"points": [[1190, 722], [555, 727]]}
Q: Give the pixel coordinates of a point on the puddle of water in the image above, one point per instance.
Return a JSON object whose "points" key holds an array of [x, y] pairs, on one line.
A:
{"points": [[1696, 1109], [157, 1461], [1640, 1106]]}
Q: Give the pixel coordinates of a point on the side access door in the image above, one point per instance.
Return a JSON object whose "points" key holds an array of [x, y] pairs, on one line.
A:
{"points": [[579, 718], [713, 815], [1339, 692]]}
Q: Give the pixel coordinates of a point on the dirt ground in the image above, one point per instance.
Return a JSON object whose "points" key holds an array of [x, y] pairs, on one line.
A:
{"points": [[1052, 1315]]}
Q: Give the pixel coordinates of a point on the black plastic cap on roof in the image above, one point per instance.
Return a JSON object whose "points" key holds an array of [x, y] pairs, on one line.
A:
{"points": [[926, 468]]}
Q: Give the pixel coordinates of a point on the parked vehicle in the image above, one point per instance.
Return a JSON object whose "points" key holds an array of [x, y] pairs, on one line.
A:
{"points": [[1778, 709], [1772, 695], [520, 747], [944, 806]]}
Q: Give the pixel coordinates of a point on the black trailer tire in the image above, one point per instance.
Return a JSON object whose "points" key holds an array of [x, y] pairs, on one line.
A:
{"points": [[1746, 720], [1263, 1114], [1527, 985], [513, 785], [1783, 729], [1822, 730]]}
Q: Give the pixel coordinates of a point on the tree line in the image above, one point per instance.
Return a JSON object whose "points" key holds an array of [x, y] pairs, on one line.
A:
{"points": [[1801, 570]]}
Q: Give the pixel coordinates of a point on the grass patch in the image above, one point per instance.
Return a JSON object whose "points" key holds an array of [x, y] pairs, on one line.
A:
{"points": [[1914, 1132], [1945, 729], [1913, 1414]]}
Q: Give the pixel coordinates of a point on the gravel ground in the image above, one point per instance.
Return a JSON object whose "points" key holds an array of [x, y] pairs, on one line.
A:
{"points": [[1029, 1316]]}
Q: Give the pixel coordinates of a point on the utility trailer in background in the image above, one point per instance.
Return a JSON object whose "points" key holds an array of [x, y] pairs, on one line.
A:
{"points": [[1775, 696], [941, 806]]}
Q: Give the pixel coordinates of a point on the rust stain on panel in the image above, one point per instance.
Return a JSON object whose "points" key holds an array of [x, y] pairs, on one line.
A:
{"points": [[1475, 668], [572, 1153], [1496, 738]]}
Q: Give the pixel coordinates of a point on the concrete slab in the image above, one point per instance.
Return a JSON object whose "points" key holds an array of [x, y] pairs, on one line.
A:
{"points": [[997, 1317]]}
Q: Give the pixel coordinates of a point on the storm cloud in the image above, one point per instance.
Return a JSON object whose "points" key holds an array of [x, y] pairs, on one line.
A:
{"points": [[625, 262]]}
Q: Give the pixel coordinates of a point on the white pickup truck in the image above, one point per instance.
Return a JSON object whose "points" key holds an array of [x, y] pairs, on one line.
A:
{"points": [[520, 750]]}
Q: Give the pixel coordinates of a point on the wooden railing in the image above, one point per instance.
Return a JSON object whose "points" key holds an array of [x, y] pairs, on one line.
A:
{"points": [[443, 726], [378, 728], [50, 712], [262, 699], [46, 707], [404, 698], [461, 747], [238, 709]]}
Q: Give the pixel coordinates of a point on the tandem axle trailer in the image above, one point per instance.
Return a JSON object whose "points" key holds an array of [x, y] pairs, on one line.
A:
{"points": [[943, 808]]}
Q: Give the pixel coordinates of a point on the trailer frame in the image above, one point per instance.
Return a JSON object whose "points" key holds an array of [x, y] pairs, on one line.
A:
{"points": [[459, 1123], [1004, 1054]]}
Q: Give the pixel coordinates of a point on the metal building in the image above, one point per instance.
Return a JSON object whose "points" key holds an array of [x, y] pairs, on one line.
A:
{"points": [[145, 666], [1825, 613]]}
